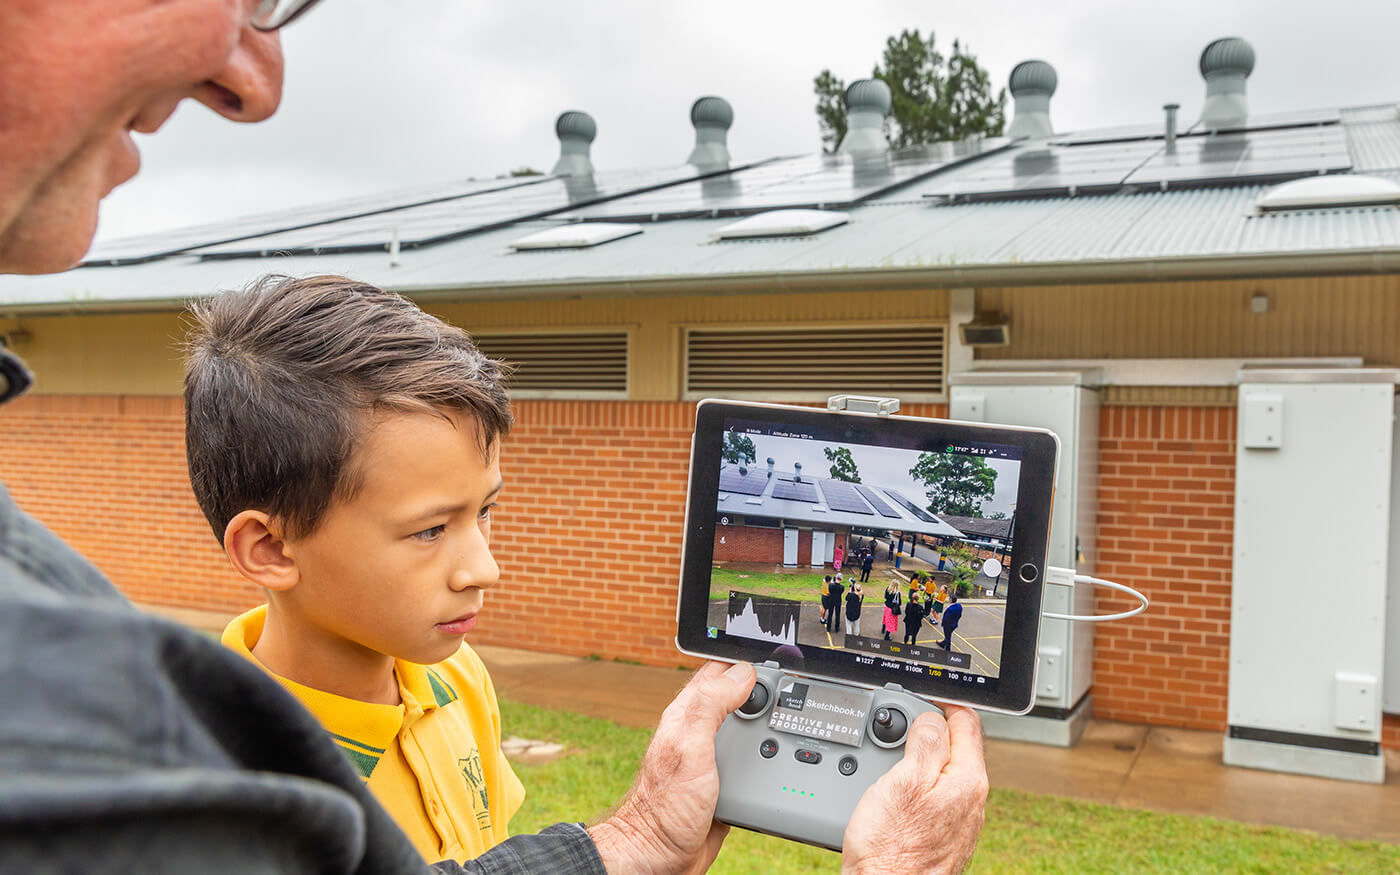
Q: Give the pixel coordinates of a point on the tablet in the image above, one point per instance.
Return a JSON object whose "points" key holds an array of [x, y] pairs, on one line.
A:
{"points": [[868, 549]]}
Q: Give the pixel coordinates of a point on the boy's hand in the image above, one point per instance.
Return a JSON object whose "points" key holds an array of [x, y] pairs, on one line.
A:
{"points": [[666, 822], [941, 781]]}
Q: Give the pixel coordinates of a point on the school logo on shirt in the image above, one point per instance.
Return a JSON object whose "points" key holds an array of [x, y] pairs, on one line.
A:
{"points": [[476, 782]]}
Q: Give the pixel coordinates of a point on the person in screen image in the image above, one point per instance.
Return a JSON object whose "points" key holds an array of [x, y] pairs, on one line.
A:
{"points": [[854, 600], [837, 556], [867, 562], [913, 618], [825, 592], [833, 615], [952, 615], [892, 609]]}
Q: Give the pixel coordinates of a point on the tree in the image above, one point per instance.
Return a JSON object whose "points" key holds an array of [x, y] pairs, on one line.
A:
{"points": [[933, 98], [954, 484], [843, 466], [738, 449]]}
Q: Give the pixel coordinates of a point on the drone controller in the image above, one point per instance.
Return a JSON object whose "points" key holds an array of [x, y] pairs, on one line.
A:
{"points": [[798, 755]]}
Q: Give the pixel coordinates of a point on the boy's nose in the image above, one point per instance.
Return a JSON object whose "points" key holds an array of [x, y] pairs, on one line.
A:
{"points": [[476, 567]]}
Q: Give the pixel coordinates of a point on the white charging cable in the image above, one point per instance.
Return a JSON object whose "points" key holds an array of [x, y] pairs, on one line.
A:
{"points": [[1070, 576]]}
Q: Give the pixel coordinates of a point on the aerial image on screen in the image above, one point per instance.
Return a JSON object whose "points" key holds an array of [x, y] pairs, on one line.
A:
{"points": [[863, 553]]}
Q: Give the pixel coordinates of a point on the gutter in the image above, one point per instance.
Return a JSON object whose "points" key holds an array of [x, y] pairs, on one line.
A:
{"points": [[1099, 272]]}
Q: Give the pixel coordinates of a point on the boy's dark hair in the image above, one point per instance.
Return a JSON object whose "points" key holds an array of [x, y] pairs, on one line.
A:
{"points": [[281, 380]]}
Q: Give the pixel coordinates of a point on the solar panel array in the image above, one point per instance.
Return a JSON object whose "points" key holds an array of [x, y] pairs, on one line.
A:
{"points": [[918, 512], [1271, 154], [753, 483], [796, 491], [842, 496], [813, 181], [878, 503]]}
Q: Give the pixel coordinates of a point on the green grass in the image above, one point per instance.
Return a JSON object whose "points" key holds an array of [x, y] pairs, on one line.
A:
{"points": [[1025, 832], [800, 585]]}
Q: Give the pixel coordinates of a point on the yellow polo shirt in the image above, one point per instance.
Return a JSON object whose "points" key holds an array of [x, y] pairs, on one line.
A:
{"points": [[434, 761]]}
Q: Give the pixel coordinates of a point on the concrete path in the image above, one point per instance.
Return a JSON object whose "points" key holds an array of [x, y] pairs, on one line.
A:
{"points": [[1171, 770]]}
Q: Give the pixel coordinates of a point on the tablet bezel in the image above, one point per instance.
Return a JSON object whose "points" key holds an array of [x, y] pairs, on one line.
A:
{"points": [[1014, 689]]}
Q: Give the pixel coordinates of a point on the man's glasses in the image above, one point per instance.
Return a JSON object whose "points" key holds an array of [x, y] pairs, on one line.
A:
{"points": [[272, 14]]}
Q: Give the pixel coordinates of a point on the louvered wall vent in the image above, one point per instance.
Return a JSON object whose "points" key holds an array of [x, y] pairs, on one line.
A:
{"points": [[562, 365], [811, 364]]}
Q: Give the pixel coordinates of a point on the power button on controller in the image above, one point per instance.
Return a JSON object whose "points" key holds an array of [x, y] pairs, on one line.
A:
{"points": [[768, 749], [810, 757], [847, 766]]}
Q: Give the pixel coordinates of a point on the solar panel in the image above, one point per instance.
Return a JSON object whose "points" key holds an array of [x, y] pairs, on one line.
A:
{"points": [[877, 502], [1260, 122], [1046, 170], [918, 512], [146, 247], [794, 491], [842, 496], [423, 224], [1277, 154], [812, 181], [753, 483]]}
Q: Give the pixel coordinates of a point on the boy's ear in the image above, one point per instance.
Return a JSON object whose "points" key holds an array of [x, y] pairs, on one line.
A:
{"points": [[255, 547]]}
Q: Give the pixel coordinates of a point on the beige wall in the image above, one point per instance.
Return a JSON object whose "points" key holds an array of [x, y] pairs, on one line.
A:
{"points": [[1308, 317], [1332, 316]]}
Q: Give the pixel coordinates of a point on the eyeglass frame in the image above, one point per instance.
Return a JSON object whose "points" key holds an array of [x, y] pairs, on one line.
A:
{"points": [[274, 24]]}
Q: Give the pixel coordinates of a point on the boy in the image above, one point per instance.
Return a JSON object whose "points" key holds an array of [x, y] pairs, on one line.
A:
{"points": [[343, 446]]}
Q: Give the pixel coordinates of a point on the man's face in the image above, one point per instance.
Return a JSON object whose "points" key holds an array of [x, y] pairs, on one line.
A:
{"points": [[78, 76], [400, 569]]}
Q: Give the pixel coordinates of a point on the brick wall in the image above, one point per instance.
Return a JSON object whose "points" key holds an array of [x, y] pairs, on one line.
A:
{"points": [[749, 544], [1166, 520], [588, 534], [107, 473]]}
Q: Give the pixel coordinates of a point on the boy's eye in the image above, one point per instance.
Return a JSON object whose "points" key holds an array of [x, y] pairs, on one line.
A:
{"points": [[486, 511], [430, 534]]}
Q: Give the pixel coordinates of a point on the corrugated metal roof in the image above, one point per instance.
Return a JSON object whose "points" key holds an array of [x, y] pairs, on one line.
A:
{"points": [[900, 238]]}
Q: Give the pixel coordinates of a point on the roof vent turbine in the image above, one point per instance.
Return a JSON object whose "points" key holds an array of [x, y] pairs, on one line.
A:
{"points": [[576, 131], [1226, 64], [712, 117], [867, 103], [1032, 85]]}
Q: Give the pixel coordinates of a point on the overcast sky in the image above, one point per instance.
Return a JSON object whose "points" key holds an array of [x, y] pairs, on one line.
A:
{"points": [[878, 466], [383, 94]]}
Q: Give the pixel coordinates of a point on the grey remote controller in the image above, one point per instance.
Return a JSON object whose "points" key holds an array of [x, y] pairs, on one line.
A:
{"points": [[797, 756]]}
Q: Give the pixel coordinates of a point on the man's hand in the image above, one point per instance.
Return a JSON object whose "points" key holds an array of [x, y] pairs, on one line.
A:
{"points": [[666, 822], [925, 814]]}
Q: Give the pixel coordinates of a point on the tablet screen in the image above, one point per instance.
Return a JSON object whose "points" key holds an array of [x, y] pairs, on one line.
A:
{"points": [[865, 548]]}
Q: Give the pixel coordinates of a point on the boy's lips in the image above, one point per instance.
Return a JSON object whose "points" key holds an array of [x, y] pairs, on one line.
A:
{"points": [[462, 624]]}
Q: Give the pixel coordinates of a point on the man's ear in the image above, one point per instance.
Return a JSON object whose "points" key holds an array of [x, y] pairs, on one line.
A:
{"points": [[255, 546]]}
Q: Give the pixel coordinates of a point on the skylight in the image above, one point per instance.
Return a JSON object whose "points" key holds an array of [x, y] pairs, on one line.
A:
{"points": [[1333, 190], [783, 223], [579, 235]]}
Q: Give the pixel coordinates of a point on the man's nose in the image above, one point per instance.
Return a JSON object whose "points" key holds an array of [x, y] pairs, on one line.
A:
{"points": [[249, 88]]}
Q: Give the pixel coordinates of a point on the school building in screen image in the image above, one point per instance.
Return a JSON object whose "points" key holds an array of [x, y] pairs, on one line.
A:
{"points": [[1203, 302], [772, 517]]}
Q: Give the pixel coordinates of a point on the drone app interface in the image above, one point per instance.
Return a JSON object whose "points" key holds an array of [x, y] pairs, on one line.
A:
{"points": [[841, 552]]}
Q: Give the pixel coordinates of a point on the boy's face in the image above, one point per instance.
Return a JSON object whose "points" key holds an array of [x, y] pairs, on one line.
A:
{"points": [[400, 568]]}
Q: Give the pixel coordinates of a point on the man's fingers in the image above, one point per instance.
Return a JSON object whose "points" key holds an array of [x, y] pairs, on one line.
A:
{"points": [[965, 755], [927, 743], [714, 691]]}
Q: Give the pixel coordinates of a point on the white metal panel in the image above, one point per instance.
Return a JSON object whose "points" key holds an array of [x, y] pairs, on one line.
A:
{"points": [[1072, 412], [1391, 676], [1311, 538], [818, 548], [1261, 420], [1354, 701]]}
